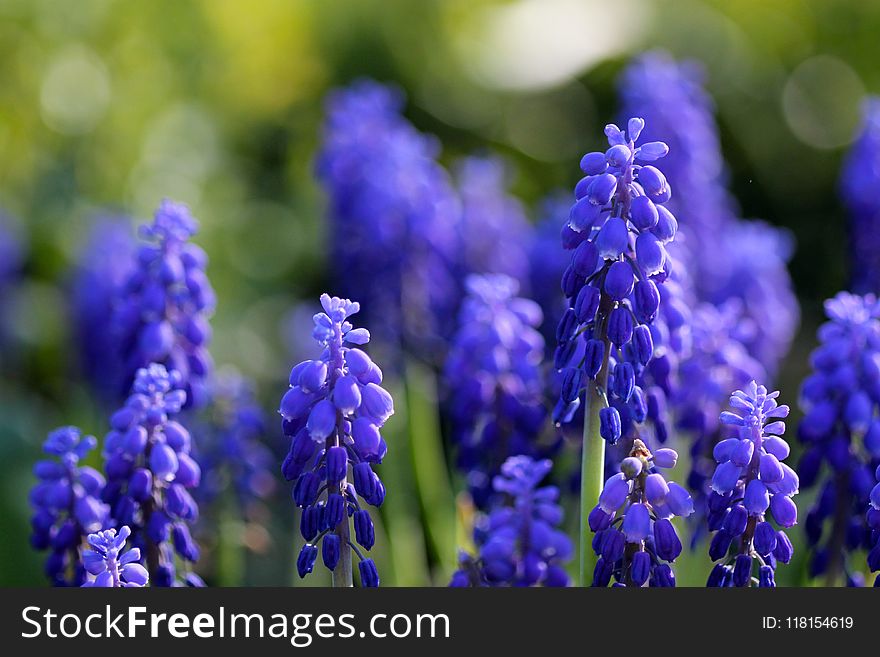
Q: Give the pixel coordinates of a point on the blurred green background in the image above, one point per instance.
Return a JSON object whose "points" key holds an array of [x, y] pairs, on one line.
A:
{"points": [[109, 106]]}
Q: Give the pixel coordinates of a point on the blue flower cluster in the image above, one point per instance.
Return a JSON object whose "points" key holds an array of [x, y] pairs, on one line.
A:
{"points": [[394, 217], [105, 262], [728, 260], [236, 455], [108, 564], [618, 230], [150, 473], [750, 480], [859, 180], [332, 413], [634, 536], [873, 518], [495, 231], [841, 430], [67, 504], [163, 310], [494, 381], [519, 543]]}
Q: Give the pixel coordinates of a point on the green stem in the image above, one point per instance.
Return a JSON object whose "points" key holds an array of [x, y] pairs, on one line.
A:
{"points": [[592, 472], [342, 573]]}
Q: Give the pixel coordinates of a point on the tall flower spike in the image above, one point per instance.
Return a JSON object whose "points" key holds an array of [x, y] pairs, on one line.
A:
{"points": [[162, 315], [494, 381], [495, 230], [67, 505], [332, 414], [618, 230], [859, 181], [751, 481], [634, 539], [394, 217], [150, 474], [729, 260], [519, 541], [109, 566], [841, 432]]}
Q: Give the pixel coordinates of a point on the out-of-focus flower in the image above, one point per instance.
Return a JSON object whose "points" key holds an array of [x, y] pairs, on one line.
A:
{"points": [[394, 218], [163, 310], [859, 181], [67, 504], [519, 541], [841, 431], [494, 381]]}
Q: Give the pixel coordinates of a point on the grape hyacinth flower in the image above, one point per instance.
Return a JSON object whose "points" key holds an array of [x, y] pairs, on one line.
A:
{"points": [[618, 230], [751, 481], [67, 504], [394, 218], [519, 541], [108, 564], [332, 414], [873, 518], [494, 381], [728, 259], [635, 540], [841, 432], [150, 474], [859, 181], [495, 230], [163, 310], [104, 264], [236, 455]]}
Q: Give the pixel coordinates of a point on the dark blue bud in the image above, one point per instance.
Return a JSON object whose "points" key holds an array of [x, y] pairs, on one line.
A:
{"points": [[624, 380], [334, 511], [585, 259], [330, 551], [305, 562], [666, 541], [594, 356], [337, 464], [742, 570], [619, 280], [566, 327], [363, 529], [643, 344], [720, 545], [640, 568], [572, 379], [593, 163], [643, 213], [765, 577], [783, 550], [309, 522], [736, 520], [587, 303], [369, 574], [609, 424], [620, 326]]}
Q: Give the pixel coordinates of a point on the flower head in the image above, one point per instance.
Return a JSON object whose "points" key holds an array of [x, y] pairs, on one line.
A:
{"points": [[841, 431], [332, 413], [634, 536], [394, 216], [858, 187], [494, 381], [750, 482], [150, 473], [618, 231], [109, 565], [163, 310], [67, 504], [519, 542]]}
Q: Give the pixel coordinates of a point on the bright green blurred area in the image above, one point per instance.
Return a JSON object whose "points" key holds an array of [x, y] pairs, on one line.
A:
{"points": [[111, 105]]}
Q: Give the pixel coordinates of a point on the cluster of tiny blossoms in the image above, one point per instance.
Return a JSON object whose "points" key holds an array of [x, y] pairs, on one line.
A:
{"points": [[841, 431], [108, 565], [634, 536], [67, 504], [617, 230], [749, 481], [332, 413], [519, 543], [162, 312], [494, 381], [150, 473]]}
